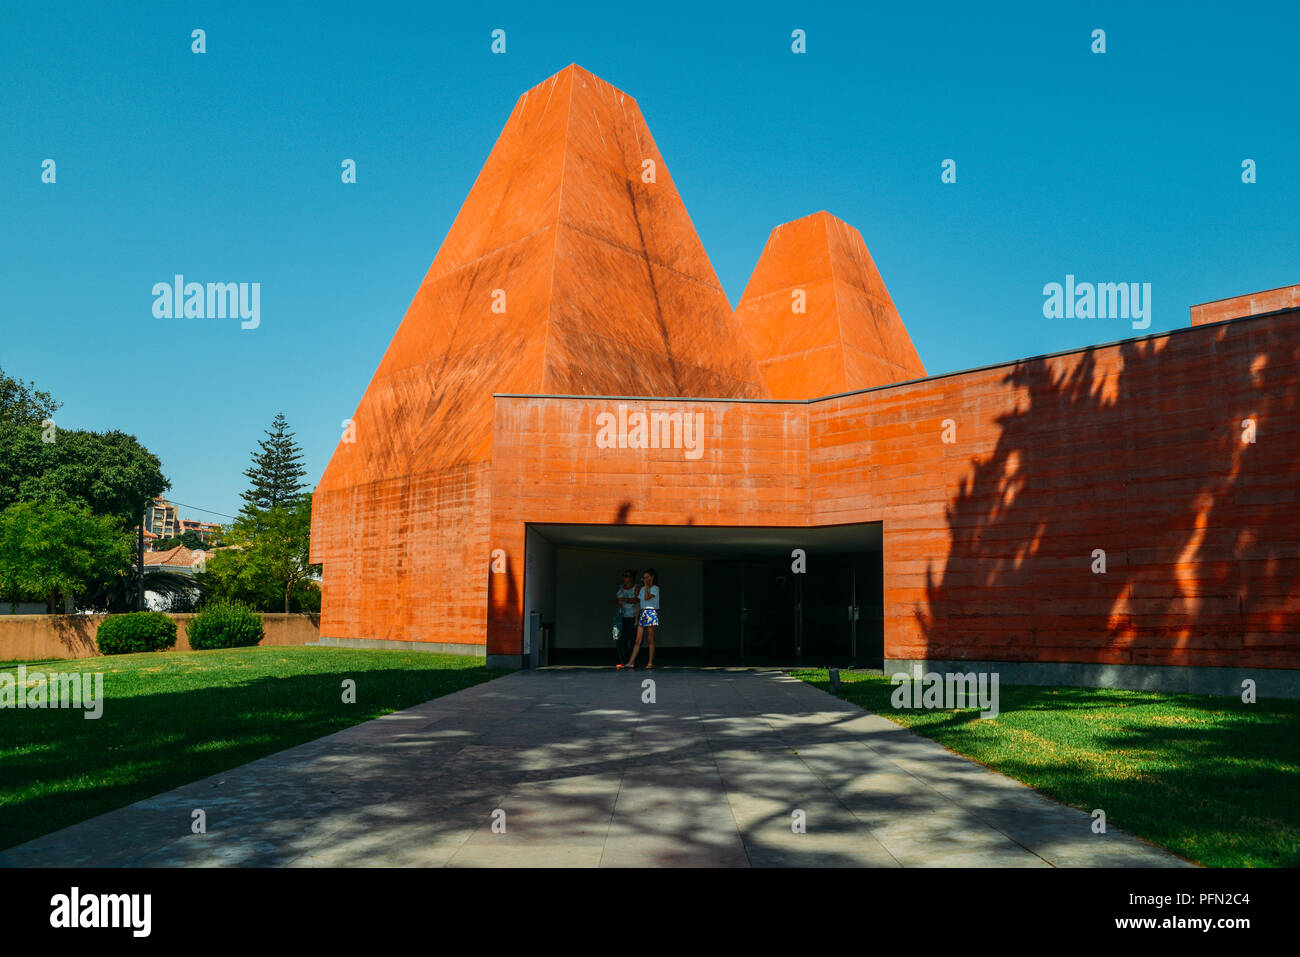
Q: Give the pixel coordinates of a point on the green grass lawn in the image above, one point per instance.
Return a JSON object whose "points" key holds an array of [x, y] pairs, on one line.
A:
{"points": [[175, 717], [1210, 778]]}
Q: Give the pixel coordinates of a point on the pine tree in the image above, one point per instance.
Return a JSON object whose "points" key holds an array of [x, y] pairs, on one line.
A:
{"points": [[277, 471]]}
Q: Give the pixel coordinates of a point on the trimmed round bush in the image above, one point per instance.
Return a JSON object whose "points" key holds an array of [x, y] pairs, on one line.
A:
{"points": [[225, 625], [135, 631]]}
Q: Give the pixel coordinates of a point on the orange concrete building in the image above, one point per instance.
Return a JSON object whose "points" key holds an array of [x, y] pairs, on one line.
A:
{"points": [[570, 393]]}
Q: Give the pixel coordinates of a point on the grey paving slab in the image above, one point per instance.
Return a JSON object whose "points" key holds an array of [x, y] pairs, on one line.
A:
{"points": [[673, 814], [570, 767]]}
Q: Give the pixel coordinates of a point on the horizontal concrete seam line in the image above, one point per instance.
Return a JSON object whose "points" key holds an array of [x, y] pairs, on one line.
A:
{"points": [[933, 378], [432, 474], [1248, 295], [649, 398]]}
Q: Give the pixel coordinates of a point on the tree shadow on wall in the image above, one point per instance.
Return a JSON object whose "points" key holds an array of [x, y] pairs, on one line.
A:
{"points": [[1143, 457]]}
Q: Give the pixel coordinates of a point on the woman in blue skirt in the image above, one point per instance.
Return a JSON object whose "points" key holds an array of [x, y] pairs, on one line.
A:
{"points": [[648, 621]]}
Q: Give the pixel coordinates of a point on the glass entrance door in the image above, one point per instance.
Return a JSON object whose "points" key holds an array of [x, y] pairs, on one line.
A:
{"points": [[828, 612], [770, 612], [757, 611]]}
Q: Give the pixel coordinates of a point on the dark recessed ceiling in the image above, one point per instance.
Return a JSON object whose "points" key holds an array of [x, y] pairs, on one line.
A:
{"points": [[714, 541]]}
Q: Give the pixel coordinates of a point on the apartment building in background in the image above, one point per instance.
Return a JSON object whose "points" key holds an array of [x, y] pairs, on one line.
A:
{"points": [[161, 521], [160, 518], [205, 530]]}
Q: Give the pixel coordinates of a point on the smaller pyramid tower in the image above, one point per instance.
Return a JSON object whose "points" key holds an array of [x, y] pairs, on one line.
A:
{"points": [[818, 317]]}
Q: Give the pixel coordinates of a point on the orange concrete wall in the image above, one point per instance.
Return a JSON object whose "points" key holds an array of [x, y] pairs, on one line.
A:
{"points": [[404, 558], [752, 470], [1135, 449], [38, 637], [1254, 304]]}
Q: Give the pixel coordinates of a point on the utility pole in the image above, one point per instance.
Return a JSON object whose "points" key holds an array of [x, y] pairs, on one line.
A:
{"points": [[139, 590]]}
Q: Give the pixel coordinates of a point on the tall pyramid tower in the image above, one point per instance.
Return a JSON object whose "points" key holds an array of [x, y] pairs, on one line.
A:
{"points": [[572, 268], [848, 335]]}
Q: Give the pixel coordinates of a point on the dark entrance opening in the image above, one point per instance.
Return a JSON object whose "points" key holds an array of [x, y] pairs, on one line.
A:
{"points": [[766, 614], [731, 596]]}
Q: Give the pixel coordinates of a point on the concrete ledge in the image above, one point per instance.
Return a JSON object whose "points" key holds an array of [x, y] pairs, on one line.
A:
{"points": [[437, 647], [513, 662], [1269, 682]]}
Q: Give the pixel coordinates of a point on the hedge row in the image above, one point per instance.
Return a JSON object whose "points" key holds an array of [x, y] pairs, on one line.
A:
{"points": [[137, 631], [225, 625], [219, 625]]}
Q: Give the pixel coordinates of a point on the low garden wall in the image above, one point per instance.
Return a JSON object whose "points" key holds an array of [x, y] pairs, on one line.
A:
{"points": [[37, 637]]}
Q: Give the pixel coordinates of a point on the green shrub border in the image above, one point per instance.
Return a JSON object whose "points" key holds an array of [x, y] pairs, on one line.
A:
{"points": [[135, 631], [225, 625]]}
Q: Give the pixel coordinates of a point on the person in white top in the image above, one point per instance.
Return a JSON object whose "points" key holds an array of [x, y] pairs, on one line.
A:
{"points": [[648, 621]]}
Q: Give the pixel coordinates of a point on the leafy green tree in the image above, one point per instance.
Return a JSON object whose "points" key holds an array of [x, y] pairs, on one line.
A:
{"points": [[21, 403], [110, 473], [53, 549], [190, 540], [233, 575], [277, 472], [266, 563], [69, 480]]}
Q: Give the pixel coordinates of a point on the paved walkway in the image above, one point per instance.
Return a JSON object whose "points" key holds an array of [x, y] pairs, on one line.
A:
{"points": [[588, 775]]}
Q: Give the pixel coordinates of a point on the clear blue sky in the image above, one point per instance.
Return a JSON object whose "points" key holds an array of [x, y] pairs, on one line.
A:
{"points": [[225, 166]]}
